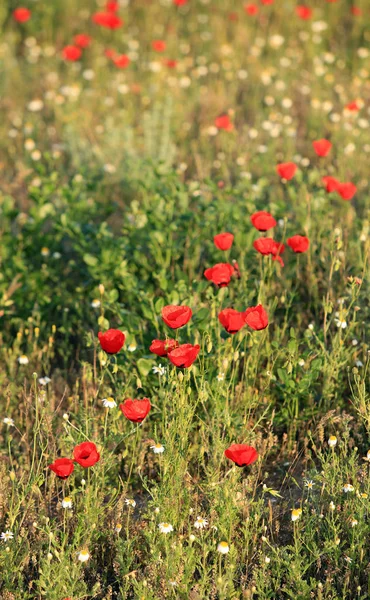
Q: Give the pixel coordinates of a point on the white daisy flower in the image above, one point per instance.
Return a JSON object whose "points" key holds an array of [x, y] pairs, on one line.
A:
{"points": [[340, 323], [95, 303], [8, 421], [44, 380], [118, 527], [23, 360], [6, 536], [296, 514], [132, 348], [159, 370], [157, 448], [165, 527], [200, 523], [83, 555], [309, 484], [220, 376], [332, 441], [223, 548], [130, 502], [67, 502], [348, 487], [109, 402]]}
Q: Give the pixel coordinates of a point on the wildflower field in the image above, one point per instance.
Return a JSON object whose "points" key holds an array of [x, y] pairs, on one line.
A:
{"points": [[184, 299]]}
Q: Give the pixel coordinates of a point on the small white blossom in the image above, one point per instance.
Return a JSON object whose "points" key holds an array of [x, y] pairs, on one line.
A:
{"points": [[332, 441], [160, 370], [340, 323], [67, 502], [130, 502], [157, 448], [6, 536], [165, 527], [8, 421], [44, 380], [296, 514], [223, 547], [109, 402], [348, 487], [200, 523], [83, 555], [23, 360]]}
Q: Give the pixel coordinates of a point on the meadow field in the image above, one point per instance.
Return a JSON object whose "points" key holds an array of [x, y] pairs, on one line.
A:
{"points": [[184, 299]]}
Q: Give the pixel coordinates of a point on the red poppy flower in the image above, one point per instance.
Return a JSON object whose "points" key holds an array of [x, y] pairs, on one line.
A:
{"points": [[331, 184], [304, 12], [286, 170], [224, 122], [268, 246], [356, 11], [176, 316], [346, 190], [180, 2], [263, 220], [256, 317], [352, 106], [135, 410], [220, 274], [62, 467], [86, 454], [232, 320], [111, 6], [107, 19], [159, 45], [298, 243], [163, 347], [121, 61], [82, 40], [71, 53], [223, 241], [267, 1], [21, 14], [184, 356], [111, 341], [251, 9], [322, 147], [241, 454]]}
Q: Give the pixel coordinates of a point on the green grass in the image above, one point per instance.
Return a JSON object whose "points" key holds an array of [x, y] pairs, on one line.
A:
{"points": [[111, 194]]}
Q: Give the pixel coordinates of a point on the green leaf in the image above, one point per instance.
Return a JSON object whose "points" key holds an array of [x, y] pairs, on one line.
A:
{"points": [[90, 260], [144, 366]]}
